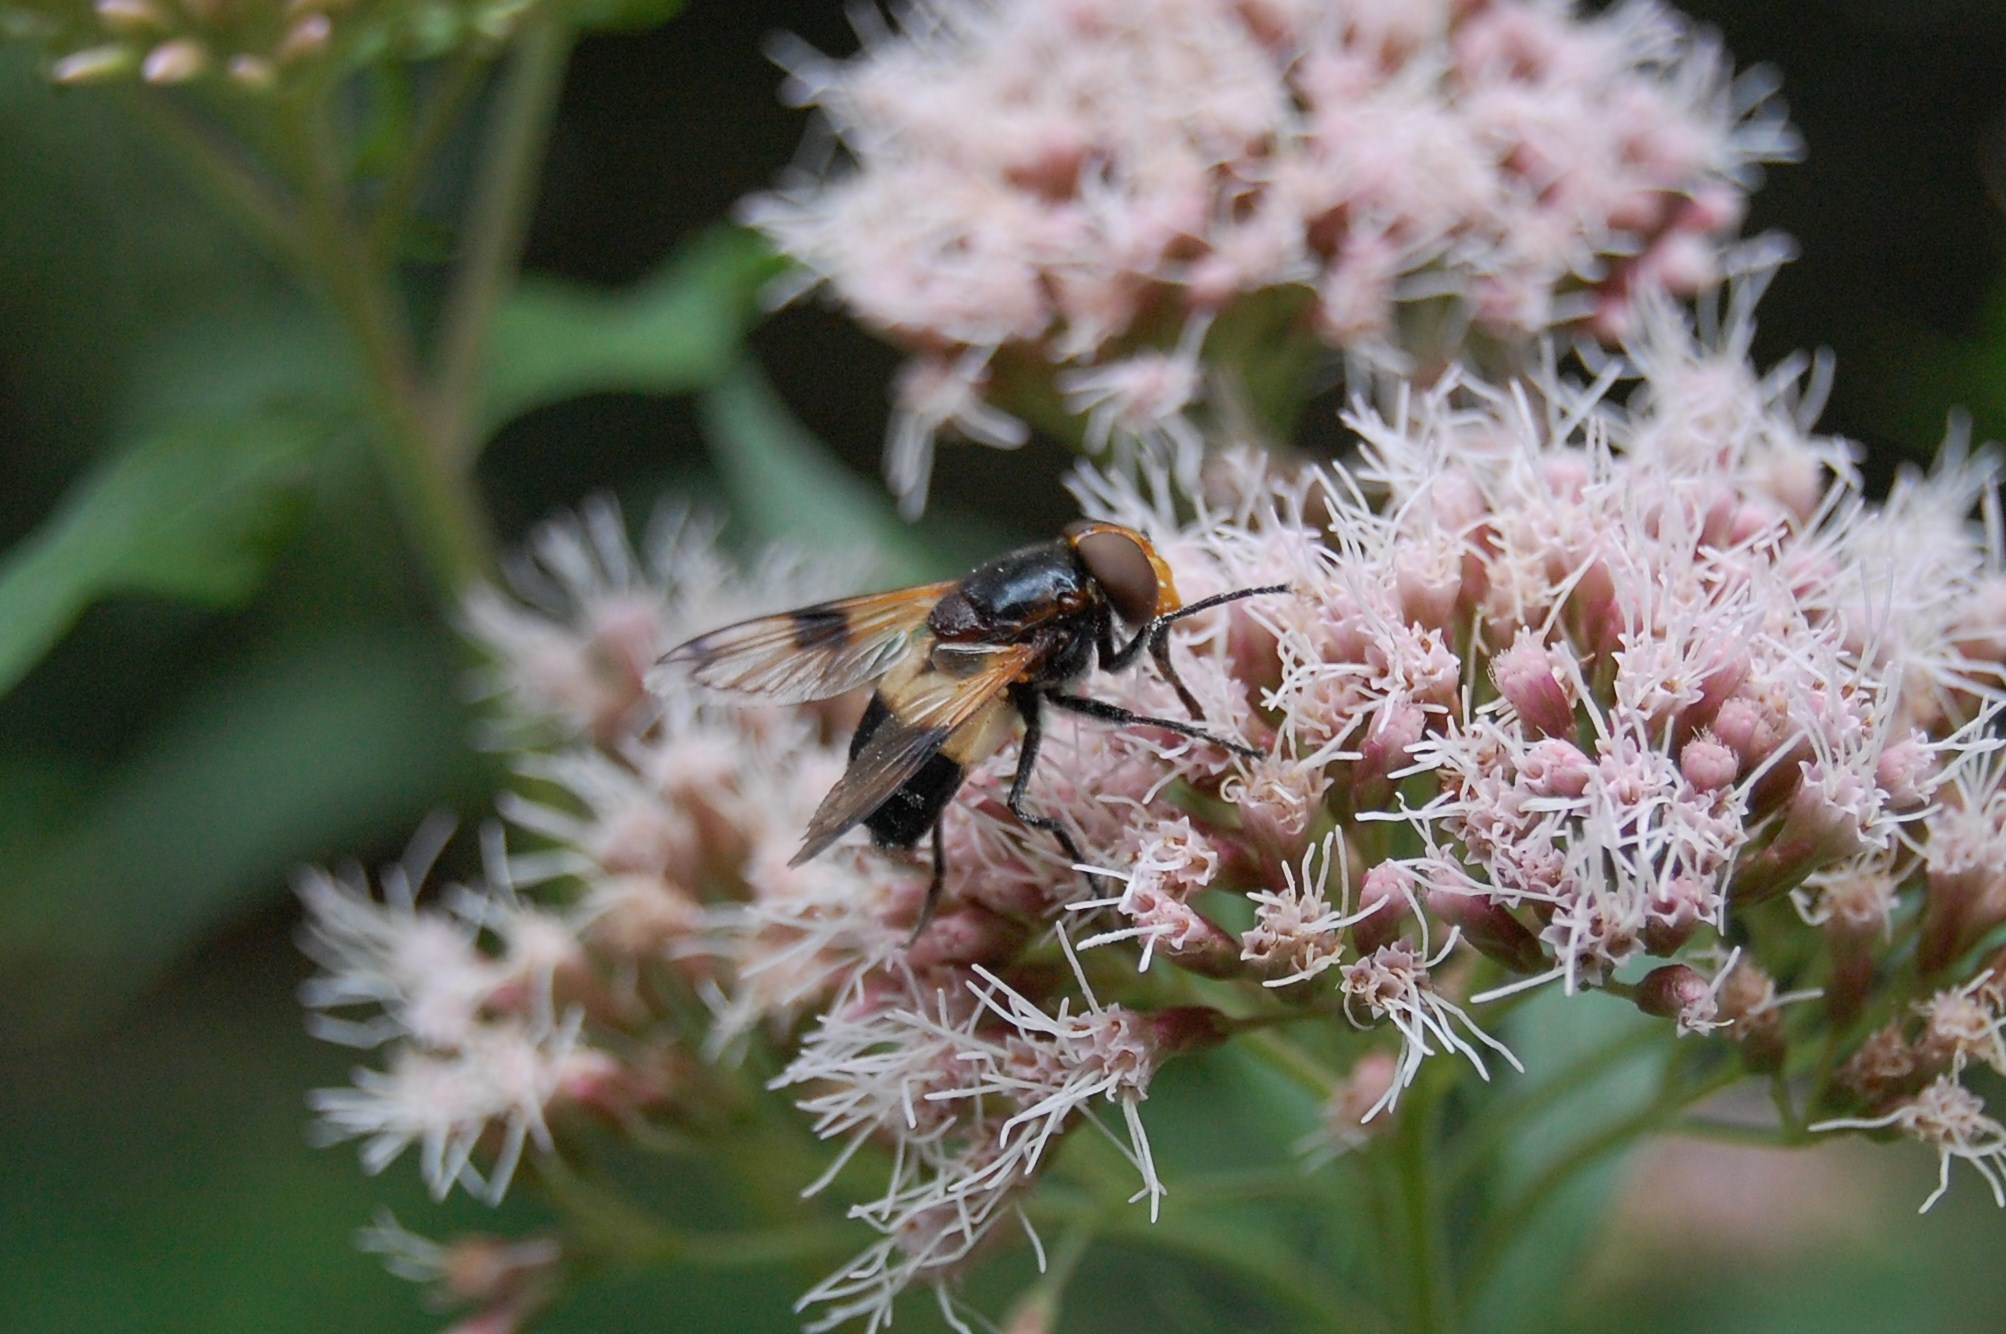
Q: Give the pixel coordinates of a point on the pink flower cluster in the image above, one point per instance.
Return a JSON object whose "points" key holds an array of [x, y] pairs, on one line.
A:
{"points": [[1569, 674], [1111, 187]]}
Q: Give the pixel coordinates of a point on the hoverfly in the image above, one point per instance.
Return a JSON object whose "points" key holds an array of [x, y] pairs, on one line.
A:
{"points": [[956, 665]]}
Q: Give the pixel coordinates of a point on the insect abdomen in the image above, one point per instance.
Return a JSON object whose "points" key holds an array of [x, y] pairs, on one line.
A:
{"points": [[910, 811]]}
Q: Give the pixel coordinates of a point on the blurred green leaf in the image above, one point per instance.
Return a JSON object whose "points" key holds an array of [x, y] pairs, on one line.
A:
{"points": [[253, 354], [1551, 1035], [313, 745], [787, 486], [104, 240], [195, 513], [673, 332]]}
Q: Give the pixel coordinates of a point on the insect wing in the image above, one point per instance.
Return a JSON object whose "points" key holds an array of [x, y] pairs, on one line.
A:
{"points": [[811, 652], [952, 689]]}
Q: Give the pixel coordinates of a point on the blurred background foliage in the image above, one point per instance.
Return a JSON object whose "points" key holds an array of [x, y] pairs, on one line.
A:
{"points": [[220, 661]]}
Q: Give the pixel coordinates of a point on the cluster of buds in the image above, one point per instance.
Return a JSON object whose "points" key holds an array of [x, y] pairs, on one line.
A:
{"points": [[1134, 214], [1568, 678], [250, 45]]}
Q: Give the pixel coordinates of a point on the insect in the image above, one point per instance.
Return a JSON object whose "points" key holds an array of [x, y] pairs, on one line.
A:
{"points": [[957, 665]]}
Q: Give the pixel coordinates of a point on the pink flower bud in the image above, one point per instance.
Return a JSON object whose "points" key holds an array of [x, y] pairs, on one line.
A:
{"points": [[1708, 764], [1556, 768], [1524, 675], [1678, 993], [1487, 925], [1386, 896], [1904, 770]]}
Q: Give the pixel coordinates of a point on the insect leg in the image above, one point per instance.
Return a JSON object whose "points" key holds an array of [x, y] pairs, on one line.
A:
{"points": [[1103, 711], [932, 886], [1159, 653], [1027, 756]]}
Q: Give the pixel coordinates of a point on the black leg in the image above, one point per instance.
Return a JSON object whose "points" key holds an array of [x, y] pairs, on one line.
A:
{"points": [[932, 887], [1159, 653], [1155, 628], [1103, 711], [1027, 756]]}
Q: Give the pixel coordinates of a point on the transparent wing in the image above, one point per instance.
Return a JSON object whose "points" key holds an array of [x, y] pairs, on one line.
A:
{"points": [[946, 701], [810, 652]]}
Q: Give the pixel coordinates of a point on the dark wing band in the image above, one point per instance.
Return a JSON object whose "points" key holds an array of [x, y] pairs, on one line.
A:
{"points": [[810, 652], [955, 705]]}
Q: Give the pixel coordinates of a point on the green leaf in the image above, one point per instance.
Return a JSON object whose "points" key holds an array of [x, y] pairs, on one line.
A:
{"points": [[674, 332], [307, 748], [787, 486], [194, 513]]}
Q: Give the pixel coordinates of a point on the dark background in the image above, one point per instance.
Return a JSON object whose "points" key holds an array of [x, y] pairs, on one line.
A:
{"points": [[153, 1170]]}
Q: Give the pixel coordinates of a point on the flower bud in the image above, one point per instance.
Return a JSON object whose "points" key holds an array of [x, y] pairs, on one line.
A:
{"points": [[1384, 897], [175, 61], [1746, 998], [1364, 1088], [1679, 993], [1708, 764], [1524, 675], [93, 64], [1487, 925], [1883, 1065], [1185, 1028]]}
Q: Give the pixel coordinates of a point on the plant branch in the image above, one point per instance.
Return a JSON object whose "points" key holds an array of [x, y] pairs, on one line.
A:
{"points": [[434, 493], [442, 109], [261, 210], [496, 223]]}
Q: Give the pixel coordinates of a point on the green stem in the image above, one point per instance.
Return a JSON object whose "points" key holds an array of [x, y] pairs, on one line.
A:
{"points": [[496, 223], [1430, 1289], [434, 492], [441, 111], [261, 210]]}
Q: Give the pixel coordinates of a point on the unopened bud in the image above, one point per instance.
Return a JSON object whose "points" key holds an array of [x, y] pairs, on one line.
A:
{"points": [[1184, 1028], [1681, 994], [1708, 764], [127, 16], [966, 934], [1524, 675], [1360, 1094], [1884, 1064], [93, 64], [177, 61], [1963, 903], [1489, 927], [1747, 1003], [1385, 897]]}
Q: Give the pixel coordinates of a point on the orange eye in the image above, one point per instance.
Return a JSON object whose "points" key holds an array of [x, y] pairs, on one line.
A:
{"points": [[1126, 567]]}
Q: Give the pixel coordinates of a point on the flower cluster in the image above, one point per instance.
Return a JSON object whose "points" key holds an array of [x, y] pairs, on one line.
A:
{"points": [[1568, 674], [1136, 211], [252, 46]]}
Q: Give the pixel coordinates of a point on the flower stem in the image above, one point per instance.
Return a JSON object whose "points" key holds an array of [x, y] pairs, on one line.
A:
{"points": [[260, 209], [1431, 1304], [495, 227], [434, 492]]}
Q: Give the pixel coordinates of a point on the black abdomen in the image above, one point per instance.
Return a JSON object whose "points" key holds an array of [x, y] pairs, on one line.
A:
{"points": [[914, 808]]}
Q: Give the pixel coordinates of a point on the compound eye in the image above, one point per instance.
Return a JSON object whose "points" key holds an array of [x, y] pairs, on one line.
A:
{"points": [[1120, 565]]}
